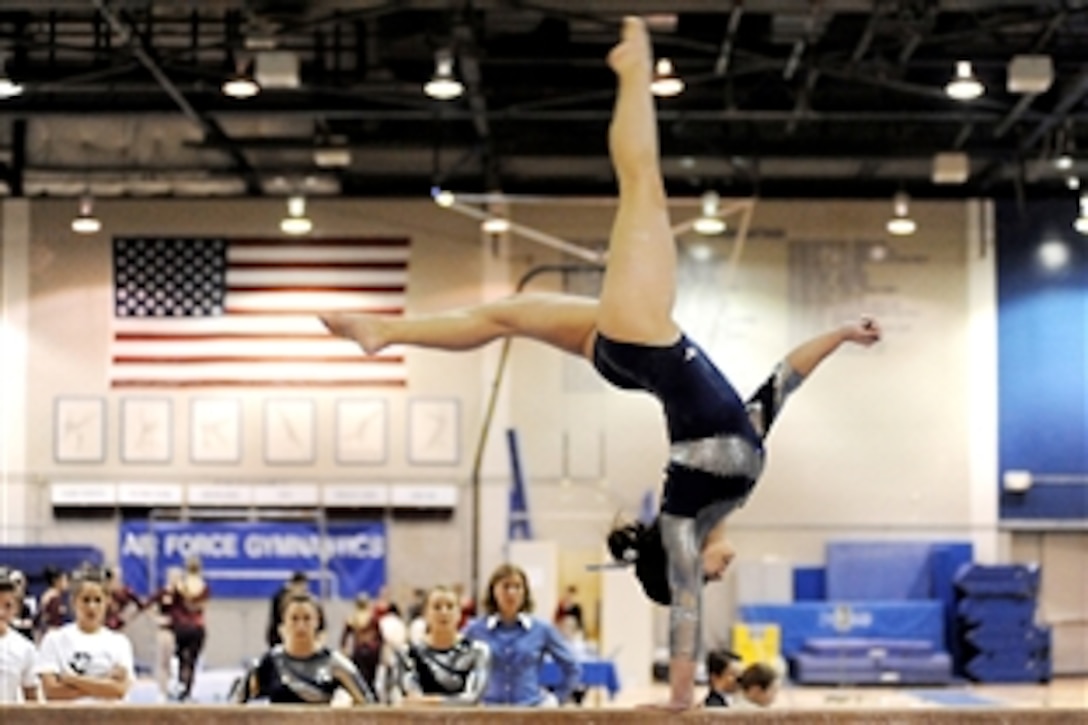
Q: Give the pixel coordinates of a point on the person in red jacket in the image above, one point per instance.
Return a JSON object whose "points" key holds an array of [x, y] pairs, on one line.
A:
{"points": [[187, 619]]}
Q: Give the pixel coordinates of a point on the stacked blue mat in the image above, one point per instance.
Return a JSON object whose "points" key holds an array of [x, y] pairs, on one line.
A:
{"points": [[999, 640], [880, 614], [871, 662]]}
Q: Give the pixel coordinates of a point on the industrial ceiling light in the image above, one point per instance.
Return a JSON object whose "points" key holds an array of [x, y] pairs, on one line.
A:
{"points": [[1072, 183], [964, 87], [240, 86], [496, 225], [665, 82], [296, 222], [85, 222], [710, 222], [901, 224], [1081, 224], [443, 86], [442, 197], [1064, 161], [9, 88]]}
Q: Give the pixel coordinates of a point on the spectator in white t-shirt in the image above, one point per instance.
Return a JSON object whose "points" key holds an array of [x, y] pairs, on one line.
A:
{"points": [[85, 660], [18, 681]]}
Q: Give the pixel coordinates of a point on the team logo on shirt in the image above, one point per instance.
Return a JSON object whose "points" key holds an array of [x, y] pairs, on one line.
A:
{"points": [[690, 353], [80, 662]]}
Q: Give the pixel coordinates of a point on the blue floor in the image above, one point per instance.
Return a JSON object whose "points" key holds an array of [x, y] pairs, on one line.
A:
{"points": [[953, 698]]}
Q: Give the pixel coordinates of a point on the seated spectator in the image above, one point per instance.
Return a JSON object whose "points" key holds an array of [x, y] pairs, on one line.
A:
{"points": [[519, 643], [722, 669], [443, 668], [26, 608], [569, 628], [300, 670], [758, 685], [468, 604], [85, 660], [53, 609], [18, 680], [568, 606]]}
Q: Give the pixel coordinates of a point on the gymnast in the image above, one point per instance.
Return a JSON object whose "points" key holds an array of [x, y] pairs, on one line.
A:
{"points": [[716, 439], [445, 668], [300, 670]]}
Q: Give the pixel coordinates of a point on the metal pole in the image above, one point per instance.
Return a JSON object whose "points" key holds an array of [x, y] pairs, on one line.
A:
{"points": [[489, 414]]}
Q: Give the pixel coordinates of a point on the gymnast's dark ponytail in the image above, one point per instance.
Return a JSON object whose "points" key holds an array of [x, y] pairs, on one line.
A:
{"points": [[639, 544]]}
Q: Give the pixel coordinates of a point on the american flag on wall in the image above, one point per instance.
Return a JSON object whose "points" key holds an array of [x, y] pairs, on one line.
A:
{"points": [[243, 312]]}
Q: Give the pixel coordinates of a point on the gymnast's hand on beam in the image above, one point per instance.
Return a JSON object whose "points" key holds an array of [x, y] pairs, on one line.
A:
{"points": [[668, 706]]}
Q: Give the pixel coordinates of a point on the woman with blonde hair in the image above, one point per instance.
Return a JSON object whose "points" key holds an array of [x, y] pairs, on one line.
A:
{"points": [[444, 668]]}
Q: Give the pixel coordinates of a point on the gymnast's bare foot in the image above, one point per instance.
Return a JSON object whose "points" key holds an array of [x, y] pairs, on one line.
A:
{"points": [[632, 55], [367, 330]]}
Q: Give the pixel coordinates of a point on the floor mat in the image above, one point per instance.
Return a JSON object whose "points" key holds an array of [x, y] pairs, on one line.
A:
{"points": [[954, 698]]}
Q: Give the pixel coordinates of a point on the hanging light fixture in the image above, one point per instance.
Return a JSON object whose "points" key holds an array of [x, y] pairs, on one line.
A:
{"points": [[665, 82], [241, 85], [443, 86], [442, 197], [964, 87], [85, 222], [1081, 223], [496, 225], [901, 224], [296, 222], [710, 222], [8, 87]]}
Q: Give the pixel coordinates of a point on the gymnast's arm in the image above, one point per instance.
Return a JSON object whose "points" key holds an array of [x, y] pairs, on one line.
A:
{"points": [[476, 680], [685, 572], [347, 675], [804, 358], [765, 403]]}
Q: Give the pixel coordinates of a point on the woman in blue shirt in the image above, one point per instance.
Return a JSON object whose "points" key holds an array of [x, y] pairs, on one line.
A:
{"points": [[519, 642]]}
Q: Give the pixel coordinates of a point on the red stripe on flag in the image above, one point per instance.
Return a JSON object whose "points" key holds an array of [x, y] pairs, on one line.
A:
{"points": [[254, 360], [225, 383], [272, 294]]}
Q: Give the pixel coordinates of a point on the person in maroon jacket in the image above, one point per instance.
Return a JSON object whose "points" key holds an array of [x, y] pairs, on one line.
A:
{"points": [[121, 596], [187, 620], [53, 609]]}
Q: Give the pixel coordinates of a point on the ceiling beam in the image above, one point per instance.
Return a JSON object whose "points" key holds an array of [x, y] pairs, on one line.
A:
{"points": [[467, 50], [600, 7], [141, 48]]}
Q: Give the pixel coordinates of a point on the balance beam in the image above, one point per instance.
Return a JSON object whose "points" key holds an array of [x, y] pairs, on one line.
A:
{"points": [[99, 714]]}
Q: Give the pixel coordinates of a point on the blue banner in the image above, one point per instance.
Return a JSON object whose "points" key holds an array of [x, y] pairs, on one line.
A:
{"points": [[253, 560]]}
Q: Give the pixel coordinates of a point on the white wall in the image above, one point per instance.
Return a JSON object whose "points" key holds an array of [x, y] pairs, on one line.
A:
{"points": [[880, 442]]}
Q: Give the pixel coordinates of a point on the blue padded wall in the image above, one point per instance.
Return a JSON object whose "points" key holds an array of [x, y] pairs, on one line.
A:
{"points": [[878, 570], [1042, 359], [920, 620]]}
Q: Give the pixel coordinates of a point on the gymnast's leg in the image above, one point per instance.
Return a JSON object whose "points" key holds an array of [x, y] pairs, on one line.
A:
{"points": [[640, 281], [562, 321]]}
